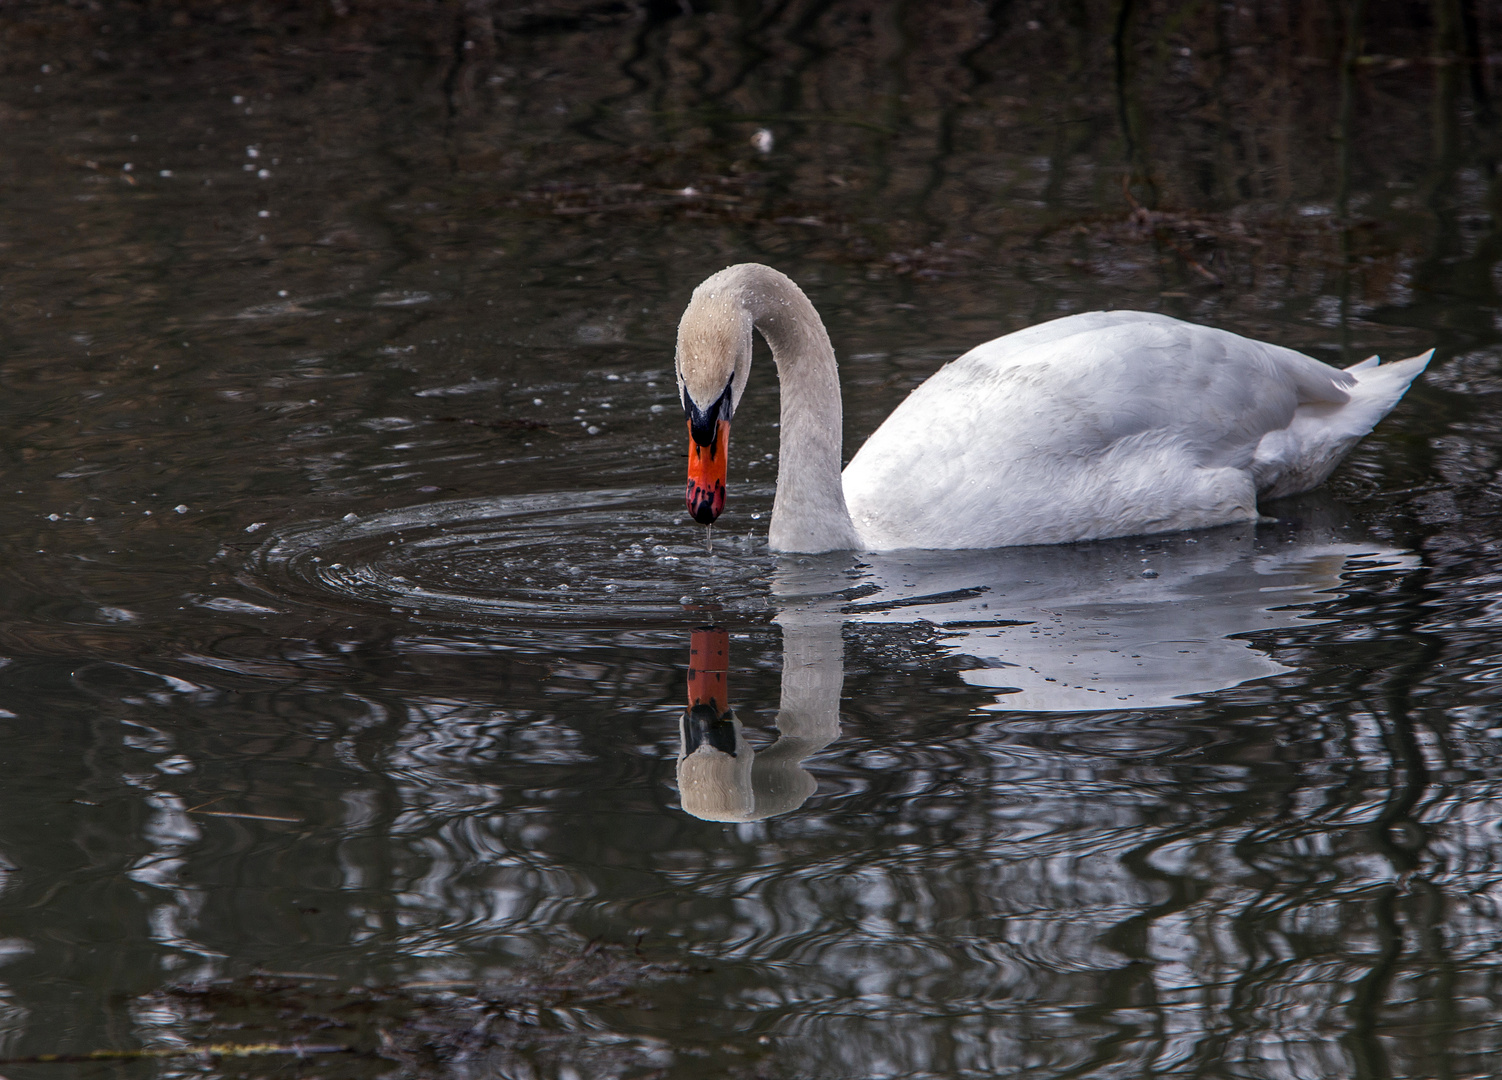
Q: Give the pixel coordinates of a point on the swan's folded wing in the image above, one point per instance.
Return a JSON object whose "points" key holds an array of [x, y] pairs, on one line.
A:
{"points": [[1100, 424], [1078, 385]]}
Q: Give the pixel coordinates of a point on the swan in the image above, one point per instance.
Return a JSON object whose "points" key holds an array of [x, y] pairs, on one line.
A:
{"points": [[1109, 423]]}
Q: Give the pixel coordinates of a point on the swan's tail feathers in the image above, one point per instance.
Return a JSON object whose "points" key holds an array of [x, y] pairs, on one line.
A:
{"points": [[1378, 388], [1304, 453]]}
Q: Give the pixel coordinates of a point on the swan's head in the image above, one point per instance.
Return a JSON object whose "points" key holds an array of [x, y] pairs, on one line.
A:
{"points": [[714, 359], [714, 767]]}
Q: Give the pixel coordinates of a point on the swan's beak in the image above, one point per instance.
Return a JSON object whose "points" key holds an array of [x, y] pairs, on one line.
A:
{"points": [[706, 470]]}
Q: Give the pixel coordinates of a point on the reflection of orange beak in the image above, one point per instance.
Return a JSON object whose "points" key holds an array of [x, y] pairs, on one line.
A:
{"points": [[706, 473], [708, 670]]}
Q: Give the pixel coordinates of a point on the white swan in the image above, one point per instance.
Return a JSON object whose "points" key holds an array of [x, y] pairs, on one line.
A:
{"points": [[1111, 423]]}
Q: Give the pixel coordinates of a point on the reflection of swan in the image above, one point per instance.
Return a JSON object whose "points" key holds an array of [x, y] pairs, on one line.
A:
{"points": [[1105, 424], [1116, 624], [720, 777]]}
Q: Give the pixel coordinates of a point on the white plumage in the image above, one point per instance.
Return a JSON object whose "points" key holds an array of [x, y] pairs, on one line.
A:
{"points": [[1111, 423]]}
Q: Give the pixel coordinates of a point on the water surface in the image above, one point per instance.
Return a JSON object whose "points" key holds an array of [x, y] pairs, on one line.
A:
{"points": [[349, 596]]}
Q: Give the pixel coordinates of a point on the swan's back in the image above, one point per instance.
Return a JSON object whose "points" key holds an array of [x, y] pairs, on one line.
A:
{"points": [[1108, 424]]}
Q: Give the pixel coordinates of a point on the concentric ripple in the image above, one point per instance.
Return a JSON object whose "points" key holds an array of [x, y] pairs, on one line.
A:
{"points": [[604, 558]]}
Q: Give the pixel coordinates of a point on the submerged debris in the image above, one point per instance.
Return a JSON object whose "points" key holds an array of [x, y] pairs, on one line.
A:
{"points": [[525, 1020], [211, 1050]]}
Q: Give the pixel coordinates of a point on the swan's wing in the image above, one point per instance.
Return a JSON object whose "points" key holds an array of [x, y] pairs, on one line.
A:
{"points": [[1099, 424], [1096, 378]]}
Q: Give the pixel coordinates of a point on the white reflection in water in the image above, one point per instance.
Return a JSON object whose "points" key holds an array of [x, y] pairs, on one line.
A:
{"points": [[721, 777], [1114, 625], [1079, 628]]}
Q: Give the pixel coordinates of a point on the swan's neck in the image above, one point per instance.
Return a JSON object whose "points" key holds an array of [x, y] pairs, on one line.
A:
{"points": [[809, 512]]}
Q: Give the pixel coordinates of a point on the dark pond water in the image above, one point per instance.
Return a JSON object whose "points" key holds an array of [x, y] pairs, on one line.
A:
{"points": [[348, 593]]}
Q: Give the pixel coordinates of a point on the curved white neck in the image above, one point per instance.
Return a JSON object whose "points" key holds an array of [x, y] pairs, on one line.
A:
{"points": [[809, 512]]}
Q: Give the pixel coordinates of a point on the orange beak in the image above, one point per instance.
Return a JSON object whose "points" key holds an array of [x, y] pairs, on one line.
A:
{"points": [[708, 669], [706, 473]]}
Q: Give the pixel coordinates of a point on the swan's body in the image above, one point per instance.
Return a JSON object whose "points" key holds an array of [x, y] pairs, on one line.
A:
{"points": [[1111, 423]]}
